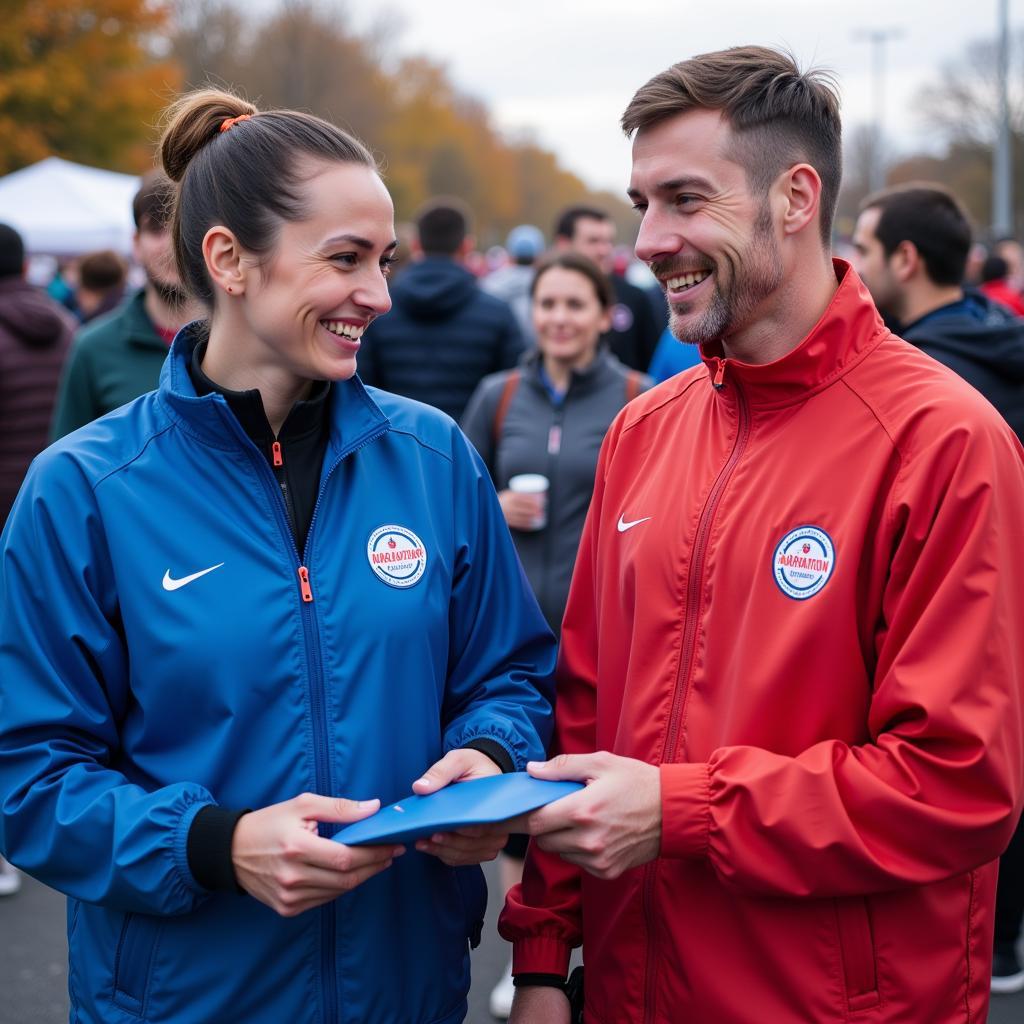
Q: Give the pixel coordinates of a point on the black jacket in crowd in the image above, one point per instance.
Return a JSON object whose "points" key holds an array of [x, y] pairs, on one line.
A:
{"points": [[982, 342], [441, 338]]}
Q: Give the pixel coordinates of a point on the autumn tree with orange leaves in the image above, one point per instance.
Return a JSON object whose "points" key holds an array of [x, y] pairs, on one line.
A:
{"points": [[82, 79]]}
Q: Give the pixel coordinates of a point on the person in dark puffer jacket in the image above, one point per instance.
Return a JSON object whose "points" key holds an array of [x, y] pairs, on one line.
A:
{"points": [[35, 334], [443, 334]]}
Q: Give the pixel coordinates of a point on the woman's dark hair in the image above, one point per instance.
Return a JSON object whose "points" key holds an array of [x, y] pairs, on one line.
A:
{"points": [[244, 175], [581, 265]]}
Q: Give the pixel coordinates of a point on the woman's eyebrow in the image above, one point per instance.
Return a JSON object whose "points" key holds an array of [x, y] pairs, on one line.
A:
{"points": [[363, 243]]}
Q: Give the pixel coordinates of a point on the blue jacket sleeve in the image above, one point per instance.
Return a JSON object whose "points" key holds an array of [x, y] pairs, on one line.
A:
{"points": [[501, 654], [67, 815]]}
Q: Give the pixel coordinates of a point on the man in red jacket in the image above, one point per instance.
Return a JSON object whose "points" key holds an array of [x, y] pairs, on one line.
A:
{"points": [[791, 660]]}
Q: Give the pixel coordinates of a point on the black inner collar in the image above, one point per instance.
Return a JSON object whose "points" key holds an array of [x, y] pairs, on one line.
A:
{"points": [[305, 418]]}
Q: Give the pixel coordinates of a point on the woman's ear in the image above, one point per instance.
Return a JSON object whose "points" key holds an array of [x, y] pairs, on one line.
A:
{"points": [[224, 263], [606, 321]]}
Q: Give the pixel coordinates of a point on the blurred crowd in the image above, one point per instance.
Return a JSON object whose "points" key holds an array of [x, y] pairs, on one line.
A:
{"points": [[534, 346]]}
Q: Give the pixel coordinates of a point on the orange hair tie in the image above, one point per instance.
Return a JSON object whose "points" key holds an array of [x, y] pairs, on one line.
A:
{"points": [[230, 122]]}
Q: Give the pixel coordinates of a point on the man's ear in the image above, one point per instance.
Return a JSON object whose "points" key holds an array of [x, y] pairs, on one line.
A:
{"points": [[905, 261], [224, 263], [799, 191]]}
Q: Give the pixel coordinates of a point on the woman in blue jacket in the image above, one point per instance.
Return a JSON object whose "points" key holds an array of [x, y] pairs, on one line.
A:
{"points": [[242, 609]]}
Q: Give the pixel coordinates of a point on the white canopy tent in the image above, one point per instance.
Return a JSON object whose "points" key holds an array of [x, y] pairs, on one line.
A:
{"points": [[64, 209]]}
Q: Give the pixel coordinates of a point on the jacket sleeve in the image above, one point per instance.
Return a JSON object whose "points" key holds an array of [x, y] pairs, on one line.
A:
{"points": [[934, 790], [67, 815], [501, 652], [542, 916], [76, 402]]}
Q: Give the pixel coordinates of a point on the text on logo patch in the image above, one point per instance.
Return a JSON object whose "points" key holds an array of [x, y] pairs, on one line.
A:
{"points": [[803, 562], [396, 556]]}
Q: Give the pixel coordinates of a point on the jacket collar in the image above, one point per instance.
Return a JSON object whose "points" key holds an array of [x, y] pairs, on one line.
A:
{"points": [[580, 380], [848, 330], [136, 326], [355, 418]]}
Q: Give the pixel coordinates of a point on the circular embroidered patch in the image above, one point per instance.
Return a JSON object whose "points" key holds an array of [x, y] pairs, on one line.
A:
{"points": [[803, 562], [396, 556]]}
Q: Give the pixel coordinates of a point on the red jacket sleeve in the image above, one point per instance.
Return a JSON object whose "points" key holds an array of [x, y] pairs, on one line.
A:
{"points": [[936, 789], [542, 917]]}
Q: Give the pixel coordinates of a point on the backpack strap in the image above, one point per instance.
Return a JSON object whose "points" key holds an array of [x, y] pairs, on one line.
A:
{"points": [[634, 384], [507, 393]]}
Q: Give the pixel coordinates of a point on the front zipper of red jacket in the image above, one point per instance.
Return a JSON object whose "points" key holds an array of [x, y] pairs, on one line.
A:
{"points": [[317, 689], [691, 623]]}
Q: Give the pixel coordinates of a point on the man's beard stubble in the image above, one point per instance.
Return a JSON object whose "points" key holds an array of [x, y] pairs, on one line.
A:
{"points": [[172, 295], [729, 310]]}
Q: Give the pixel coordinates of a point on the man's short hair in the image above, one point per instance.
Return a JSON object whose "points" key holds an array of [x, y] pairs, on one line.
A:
{"points": [[930, 217], [12, 252], [995, 268], [153, 204], [779, 115], [565, 225], [101, 271], [442, 226]]}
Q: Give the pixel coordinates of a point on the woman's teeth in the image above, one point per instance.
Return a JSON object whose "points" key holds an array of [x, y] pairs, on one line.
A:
{"points": [[344, 330], [676, 284]]}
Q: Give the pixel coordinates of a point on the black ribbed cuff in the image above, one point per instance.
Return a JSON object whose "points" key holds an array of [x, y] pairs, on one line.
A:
{"points": [[495, 751], [209, 848], [539, 981]]}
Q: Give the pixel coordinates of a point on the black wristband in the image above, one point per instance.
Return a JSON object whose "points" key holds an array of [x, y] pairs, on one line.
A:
{"points": [[209, 848], [539, 981], [495, 751]]}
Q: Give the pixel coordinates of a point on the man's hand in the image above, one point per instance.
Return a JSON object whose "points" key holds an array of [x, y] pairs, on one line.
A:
{"points": [[540, 1004], [280, 860], [466, 845], [609, 827]]}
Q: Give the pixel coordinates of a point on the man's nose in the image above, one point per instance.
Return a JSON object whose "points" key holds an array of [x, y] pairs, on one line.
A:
{"points": [[656, 238]]}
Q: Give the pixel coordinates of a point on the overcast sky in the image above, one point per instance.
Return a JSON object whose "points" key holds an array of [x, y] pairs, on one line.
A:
{"points": [[563, 70]]}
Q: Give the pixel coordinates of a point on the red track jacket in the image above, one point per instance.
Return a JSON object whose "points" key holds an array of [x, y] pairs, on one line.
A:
{"points": [[800, 591]]}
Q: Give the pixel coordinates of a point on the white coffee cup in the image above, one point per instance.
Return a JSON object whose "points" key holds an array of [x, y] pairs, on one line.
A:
{"points": [[533, 483]]}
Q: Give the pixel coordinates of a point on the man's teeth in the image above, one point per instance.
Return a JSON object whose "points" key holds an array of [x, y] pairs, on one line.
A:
{"points": [[687, 280], [344, 330]]}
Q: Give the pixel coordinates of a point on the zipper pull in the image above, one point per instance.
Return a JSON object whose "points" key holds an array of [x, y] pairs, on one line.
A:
{"points": [[276, 450], [307, 592], [719, 380]]}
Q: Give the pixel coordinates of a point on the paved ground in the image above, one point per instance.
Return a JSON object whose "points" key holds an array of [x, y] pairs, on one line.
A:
{"points": [[33, 965]]}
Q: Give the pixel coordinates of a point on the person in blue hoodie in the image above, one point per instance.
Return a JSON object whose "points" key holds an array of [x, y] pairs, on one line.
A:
{"points": [[246, 608], [444, 333]]}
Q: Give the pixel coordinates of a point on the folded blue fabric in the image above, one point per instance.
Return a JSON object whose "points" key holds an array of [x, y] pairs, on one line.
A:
{"points": [[477, 802]]}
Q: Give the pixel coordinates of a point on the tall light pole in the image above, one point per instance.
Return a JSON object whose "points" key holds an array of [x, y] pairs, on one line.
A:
{"points": [[878, 37], [1002, 158]]}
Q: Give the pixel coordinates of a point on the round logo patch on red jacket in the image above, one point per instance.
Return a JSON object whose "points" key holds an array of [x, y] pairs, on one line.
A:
{"points": [[396, 556], [803, 562]]}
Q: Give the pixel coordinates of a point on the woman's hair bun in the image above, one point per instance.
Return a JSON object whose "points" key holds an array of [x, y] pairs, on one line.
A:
{"points": [[192, 121]]}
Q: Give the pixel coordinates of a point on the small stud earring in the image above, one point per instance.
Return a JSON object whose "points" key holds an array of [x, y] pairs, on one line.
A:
{"points": [[230, 289]]}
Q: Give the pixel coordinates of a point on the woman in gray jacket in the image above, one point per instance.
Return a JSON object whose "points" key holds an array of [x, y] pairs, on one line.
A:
{"points": [[548, 417]]}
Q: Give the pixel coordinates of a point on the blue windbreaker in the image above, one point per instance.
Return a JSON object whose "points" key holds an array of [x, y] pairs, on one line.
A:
{"points": [[130, 699]]}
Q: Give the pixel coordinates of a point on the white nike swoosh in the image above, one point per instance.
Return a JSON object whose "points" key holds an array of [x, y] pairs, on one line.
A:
{"points": [[623, 526], [173, 584]]}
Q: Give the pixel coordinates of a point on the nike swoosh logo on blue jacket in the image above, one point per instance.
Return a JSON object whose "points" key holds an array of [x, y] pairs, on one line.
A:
{"points": [[127, 708]]}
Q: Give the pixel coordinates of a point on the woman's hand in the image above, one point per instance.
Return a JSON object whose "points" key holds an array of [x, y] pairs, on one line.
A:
{"points": [[280, 860], [466, 845], [521, 511]]}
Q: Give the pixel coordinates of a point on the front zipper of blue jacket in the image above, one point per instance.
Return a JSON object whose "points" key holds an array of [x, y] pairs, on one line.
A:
{"points": [[317, 688]]}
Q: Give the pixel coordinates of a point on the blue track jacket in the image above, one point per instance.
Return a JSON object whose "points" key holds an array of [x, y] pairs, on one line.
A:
{"points": [[132, 696]]}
